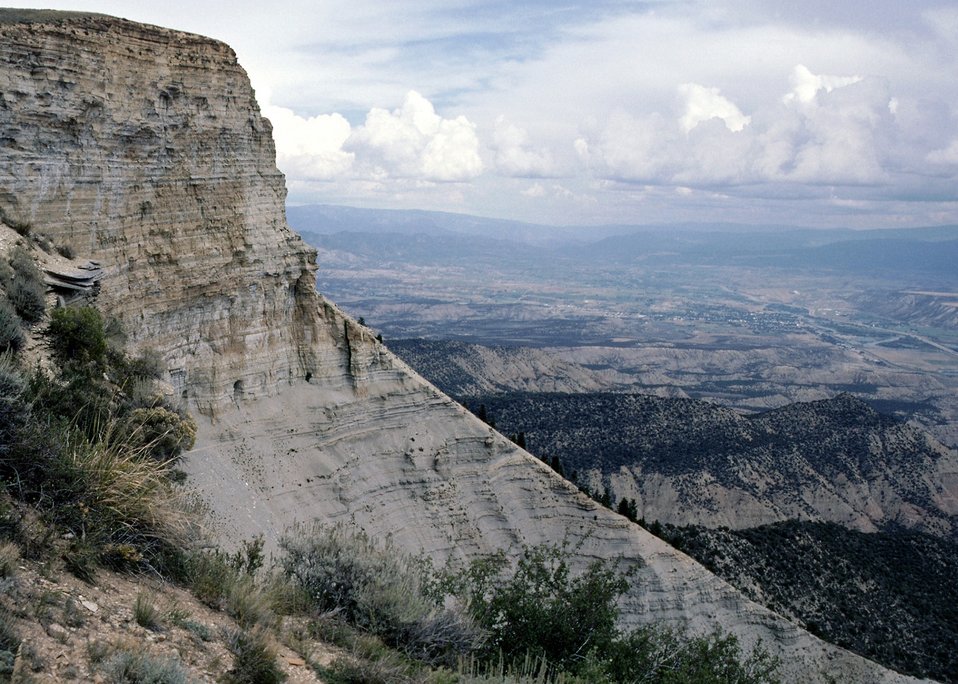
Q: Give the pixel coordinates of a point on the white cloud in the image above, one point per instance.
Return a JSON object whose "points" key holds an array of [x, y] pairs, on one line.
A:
{"points": [[535, 190], [514, 154], [310, 147], [944, 21], [841, 135], [702, 104], [946, 155], [806, 85], [415, 142]]}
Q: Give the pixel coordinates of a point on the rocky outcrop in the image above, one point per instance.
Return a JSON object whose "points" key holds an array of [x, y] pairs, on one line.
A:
{"points": [[145, 148]]}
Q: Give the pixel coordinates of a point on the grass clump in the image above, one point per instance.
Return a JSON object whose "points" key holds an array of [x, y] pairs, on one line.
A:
{"points": [[133, 667], [182, 619], [145, 613], [9, 555], [21, 226], [9, 643], [14, 405], [254, 658], [71, 450]]}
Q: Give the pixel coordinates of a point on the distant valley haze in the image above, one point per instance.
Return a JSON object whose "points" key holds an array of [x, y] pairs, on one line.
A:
{"points": [[750, 316]]}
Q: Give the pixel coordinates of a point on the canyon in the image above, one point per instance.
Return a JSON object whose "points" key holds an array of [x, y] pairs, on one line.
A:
{"points": [[144, 149]]}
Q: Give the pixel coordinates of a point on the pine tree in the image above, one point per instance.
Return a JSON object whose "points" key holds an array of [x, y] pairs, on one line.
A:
{"points": [[606, 499], [557, 466]]}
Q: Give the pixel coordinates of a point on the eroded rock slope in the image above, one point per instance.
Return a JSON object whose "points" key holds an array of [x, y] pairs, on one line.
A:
{"points": [[145, 149]]}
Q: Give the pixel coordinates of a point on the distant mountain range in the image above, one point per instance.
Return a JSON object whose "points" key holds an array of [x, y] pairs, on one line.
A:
{"points": [[924, 250]]}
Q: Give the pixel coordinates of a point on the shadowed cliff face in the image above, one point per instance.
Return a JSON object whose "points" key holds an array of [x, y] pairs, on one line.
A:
{"points": [[145, 149]]}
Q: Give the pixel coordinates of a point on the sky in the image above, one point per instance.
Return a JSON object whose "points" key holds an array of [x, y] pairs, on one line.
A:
{"points": [[818, 113]]}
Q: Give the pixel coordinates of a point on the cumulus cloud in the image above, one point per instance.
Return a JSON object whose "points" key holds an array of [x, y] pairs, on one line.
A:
{"points": [[412, 143], [415, 142], [806, 85], [842, 136], [835, 130], [702, 104], [310, 147], [515, 155]]}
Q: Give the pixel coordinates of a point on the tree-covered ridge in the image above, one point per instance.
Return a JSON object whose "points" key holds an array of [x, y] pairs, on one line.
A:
{"points": [[779, 451], [890, 596]]}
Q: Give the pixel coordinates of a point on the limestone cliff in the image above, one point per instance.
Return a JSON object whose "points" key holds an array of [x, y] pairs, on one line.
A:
{"points": [[145, 148]]}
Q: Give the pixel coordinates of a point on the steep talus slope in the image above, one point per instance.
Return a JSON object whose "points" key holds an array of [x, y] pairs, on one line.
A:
{"points": [[145, 148], [692, 462]]}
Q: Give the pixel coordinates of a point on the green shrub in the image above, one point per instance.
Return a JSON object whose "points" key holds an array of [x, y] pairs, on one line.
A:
{"points": [[163, 434], [26, 290], [66, 250], [546, 623], [378, 588], [217, 580], [77, 337], [545, 611], [11, 336], [28, 298], [672, 657], [43, 241], [128, 667], [14, 405], [149, 365]]}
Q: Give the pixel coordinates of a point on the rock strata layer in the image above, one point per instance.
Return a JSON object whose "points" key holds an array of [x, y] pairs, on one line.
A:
{"points": [[145, 149]]}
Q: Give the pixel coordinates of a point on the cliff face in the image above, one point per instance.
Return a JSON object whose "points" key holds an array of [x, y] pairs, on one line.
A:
{"points": [[145, 149]]}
